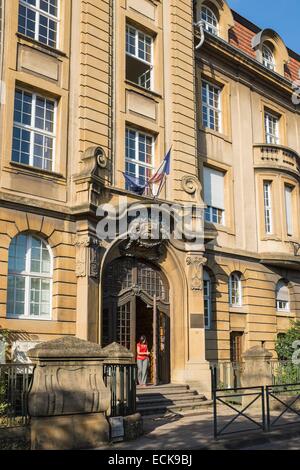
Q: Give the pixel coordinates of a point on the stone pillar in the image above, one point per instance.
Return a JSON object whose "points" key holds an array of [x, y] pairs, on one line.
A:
{"points": [[87, 272], [68, 399], [257, 371], [198, 370]]}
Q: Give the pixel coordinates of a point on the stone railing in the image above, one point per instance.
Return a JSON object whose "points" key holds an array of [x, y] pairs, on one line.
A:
{"points": [[276, 156]]}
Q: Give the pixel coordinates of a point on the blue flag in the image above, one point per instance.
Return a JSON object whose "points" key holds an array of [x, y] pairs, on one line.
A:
{"points": [[134, 184]]}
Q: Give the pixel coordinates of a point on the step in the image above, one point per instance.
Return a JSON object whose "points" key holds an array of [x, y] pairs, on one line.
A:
{"points": [[170, 388], [171, 396], [184, 406], [167, 399]]}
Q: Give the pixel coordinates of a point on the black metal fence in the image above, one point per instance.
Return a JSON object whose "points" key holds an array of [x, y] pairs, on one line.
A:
{"points": [[283, 405], [121, 380], [15, 381], [265, 408]]}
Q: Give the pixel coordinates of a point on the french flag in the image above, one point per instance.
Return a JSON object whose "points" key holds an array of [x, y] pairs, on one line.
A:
{"points": [[162, 172]]}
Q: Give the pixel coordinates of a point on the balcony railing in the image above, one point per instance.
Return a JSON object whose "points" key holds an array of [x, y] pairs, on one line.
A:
{"points": [[276, 156]]}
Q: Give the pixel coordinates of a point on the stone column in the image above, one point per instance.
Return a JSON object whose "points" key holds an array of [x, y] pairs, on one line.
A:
{"points": [[68, 399], [198, 369], [87, 272]]}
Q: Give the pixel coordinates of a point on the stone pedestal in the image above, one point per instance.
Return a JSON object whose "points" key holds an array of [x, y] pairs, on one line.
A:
{"points": [[257, 371], [68, 399]]}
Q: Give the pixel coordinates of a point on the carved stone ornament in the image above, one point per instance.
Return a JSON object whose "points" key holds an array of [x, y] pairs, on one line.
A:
{"points": [[191, 184], [196, 279], [146, 238], [87, 256]]}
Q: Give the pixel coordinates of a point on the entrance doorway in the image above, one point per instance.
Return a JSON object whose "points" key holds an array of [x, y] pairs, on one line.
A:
{"points": [[135, 303]]}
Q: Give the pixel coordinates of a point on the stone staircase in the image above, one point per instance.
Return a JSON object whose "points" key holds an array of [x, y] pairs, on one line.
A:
{"points": [[170, 398]]}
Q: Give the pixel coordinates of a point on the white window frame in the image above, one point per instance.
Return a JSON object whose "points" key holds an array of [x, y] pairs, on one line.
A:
{"points": [[211, 211], [279, 307], [39, 12], [136, 56], [235, 290], [207, 284], [28, 275], [289, 220], [272, 136], [205, 104], [268, 213], [210, 27], [136, 161], [35, 130], [268, 58]]}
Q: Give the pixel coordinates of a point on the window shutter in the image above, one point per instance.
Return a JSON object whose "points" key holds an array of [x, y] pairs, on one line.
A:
{"points": [[282, 292], [214, 188], [289, 209]]}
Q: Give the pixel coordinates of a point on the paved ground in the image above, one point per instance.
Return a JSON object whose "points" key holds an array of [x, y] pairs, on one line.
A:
{"points": [[196, 432]]}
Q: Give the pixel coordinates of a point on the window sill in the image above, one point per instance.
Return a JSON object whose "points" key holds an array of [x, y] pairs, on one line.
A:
{"points": [[285, 314], [273, 238], [220, 135], [42, 47], [29, 170], [238, 309], [144, 91], [218, 228], [15, 317]]}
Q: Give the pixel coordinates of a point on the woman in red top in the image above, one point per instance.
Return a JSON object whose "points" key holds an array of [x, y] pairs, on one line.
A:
{"points": [[142, 360]]}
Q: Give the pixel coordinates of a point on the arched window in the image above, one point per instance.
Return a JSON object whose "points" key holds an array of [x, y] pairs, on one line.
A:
{"points": [[29, 278], [210, 20], [282, 297], [268, 57], [235, 290], [207, 299]]}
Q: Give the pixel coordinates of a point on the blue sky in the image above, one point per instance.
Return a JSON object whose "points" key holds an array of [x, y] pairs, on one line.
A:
{"points": [[281, 15]]}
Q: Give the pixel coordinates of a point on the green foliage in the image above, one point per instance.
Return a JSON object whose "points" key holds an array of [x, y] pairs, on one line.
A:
{"points": [[284, 343]]}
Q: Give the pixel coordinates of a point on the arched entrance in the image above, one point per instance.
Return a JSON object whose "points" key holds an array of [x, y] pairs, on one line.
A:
{"points": [[136, 302]]}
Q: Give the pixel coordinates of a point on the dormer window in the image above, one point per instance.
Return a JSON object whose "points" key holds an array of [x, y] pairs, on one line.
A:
{"points": [[268, 57], [210, 20]]}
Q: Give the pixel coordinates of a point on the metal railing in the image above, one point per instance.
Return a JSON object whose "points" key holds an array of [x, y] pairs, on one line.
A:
{"points": [[283, 405], [226, 374], [231, 425], [15, 381], [121, 380]]}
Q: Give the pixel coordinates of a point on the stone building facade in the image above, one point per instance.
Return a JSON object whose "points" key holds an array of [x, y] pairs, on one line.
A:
{"points": [[92, 89]]}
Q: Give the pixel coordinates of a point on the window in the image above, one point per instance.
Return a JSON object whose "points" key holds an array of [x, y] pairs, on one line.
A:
{"points": [[29, 278], [288, 193], [207, 299], [268, 206], [211, 106], [139, 53], [268, 57], [139, 155], [235, 290], [272, 129], [282, 297], [214, 196], [38, 19], [210, 20], [236, 347], [34, 130]]}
